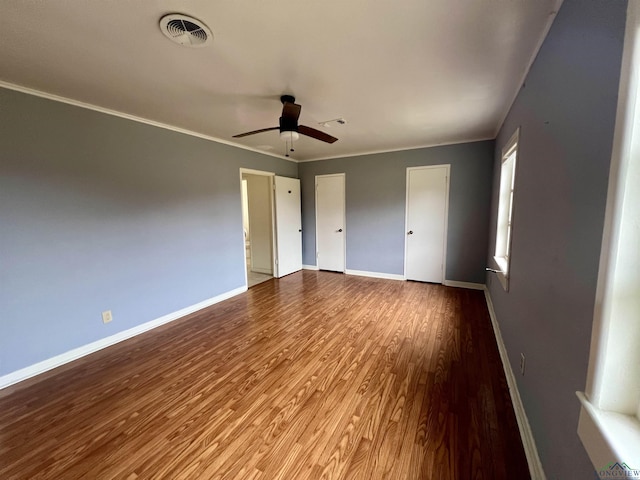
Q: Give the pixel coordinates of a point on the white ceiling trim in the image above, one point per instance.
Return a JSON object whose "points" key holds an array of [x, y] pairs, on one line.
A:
{"points": [[376, 152], [89, 106], [545, 32], [438, 75], [115, 113]]}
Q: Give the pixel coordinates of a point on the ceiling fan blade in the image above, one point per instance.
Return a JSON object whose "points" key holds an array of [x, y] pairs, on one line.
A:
{"points": [[291, 111], [256, 131], [317, 134]]}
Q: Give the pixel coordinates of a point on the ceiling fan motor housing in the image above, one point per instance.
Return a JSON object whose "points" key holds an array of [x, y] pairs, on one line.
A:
{"points": [[288, 125]]}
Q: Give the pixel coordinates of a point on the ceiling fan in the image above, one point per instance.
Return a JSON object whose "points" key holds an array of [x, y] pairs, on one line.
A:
{"points": [[289, 128]]}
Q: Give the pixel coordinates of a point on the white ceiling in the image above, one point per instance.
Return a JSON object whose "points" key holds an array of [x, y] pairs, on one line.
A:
{"points": [[403, 74]]}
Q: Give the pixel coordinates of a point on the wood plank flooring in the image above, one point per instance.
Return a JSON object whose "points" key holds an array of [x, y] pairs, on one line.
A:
{"points": [[313, 376]]}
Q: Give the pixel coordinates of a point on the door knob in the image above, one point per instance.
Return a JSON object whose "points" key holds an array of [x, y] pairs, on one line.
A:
{"points": [[339, 230], [410, 232], [300, 230]]}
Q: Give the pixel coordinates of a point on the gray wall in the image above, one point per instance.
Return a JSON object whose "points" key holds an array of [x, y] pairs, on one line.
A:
{"points": [[376, 201], [98, 213], [566, 111]]}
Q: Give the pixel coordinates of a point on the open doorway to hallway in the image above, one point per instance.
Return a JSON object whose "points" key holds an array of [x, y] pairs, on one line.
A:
{"points": [[257, 218]]}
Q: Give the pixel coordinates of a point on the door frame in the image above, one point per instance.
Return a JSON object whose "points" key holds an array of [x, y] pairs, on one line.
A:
{"points": [[446, 215], [274, 252], [344, 215]]}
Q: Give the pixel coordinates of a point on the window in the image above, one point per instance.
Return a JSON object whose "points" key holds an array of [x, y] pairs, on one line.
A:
{"points": [[502, 254], [609, 424]]}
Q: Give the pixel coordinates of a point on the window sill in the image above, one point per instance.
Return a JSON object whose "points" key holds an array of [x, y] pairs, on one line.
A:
{"points": [[502, 265], [609, 437]]}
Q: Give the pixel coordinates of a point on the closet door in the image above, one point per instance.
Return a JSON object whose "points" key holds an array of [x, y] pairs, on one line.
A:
{"points": [[426, 224], [330, 222]]}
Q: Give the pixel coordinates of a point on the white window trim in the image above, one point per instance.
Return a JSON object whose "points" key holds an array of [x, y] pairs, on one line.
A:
{"points": [[609, 425], [503, 261]]}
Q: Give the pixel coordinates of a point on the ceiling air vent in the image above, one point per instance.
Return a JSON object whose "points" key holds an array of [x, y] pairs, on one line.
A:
{"points": [[185, 30]]}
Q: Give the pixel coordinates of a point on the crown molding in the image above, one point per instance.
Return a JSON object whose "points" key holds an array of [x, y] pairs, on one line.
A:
{"points": [[116, 113]]}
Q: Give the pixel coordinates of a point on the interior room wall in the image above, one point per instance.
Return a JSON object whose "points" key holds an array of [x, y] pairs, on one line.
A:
{"points": [[376, 202], [566, 112], [103, 213]]}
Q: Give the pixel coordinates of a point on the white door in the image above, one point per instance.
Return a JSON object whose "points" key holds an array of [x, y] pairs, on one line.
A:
{"points": [[426, 226], [330, 222], [288, 226]]}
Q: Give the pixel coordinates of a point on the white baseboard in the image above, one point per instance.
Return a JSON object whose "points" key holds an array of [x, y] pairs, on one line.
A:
{"points": [[76, 353], [310, 267], [362, 273], [469, 285], [535, 465]]}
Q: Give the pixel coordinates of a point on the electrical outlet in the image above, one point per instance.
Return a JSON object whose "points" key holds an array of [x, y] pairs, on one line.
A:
{"points": [[106, 316], [522, 360]]}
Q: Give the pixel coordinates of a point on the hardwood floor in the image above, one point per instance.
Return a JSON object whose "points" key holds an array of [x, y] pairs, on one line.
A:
{"points": [[313, 376]]}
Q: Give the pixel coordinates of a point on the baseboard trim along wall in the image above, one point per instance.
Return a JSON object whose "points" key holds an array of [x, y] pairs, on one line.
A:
{"points": [[362, 273], [529, 444], [393, 276], [469, 285], [59, 360]]}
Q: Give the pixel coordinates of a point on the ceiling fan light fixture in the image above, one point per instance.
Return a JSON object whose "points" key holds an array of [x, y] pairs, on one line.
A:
{"points": [[289, 128], [289, 136]]}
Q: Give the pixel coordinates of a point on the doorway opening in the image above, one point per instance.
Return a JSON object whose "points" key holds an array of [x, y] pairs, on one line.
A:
{"points": [[257, 220]]}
